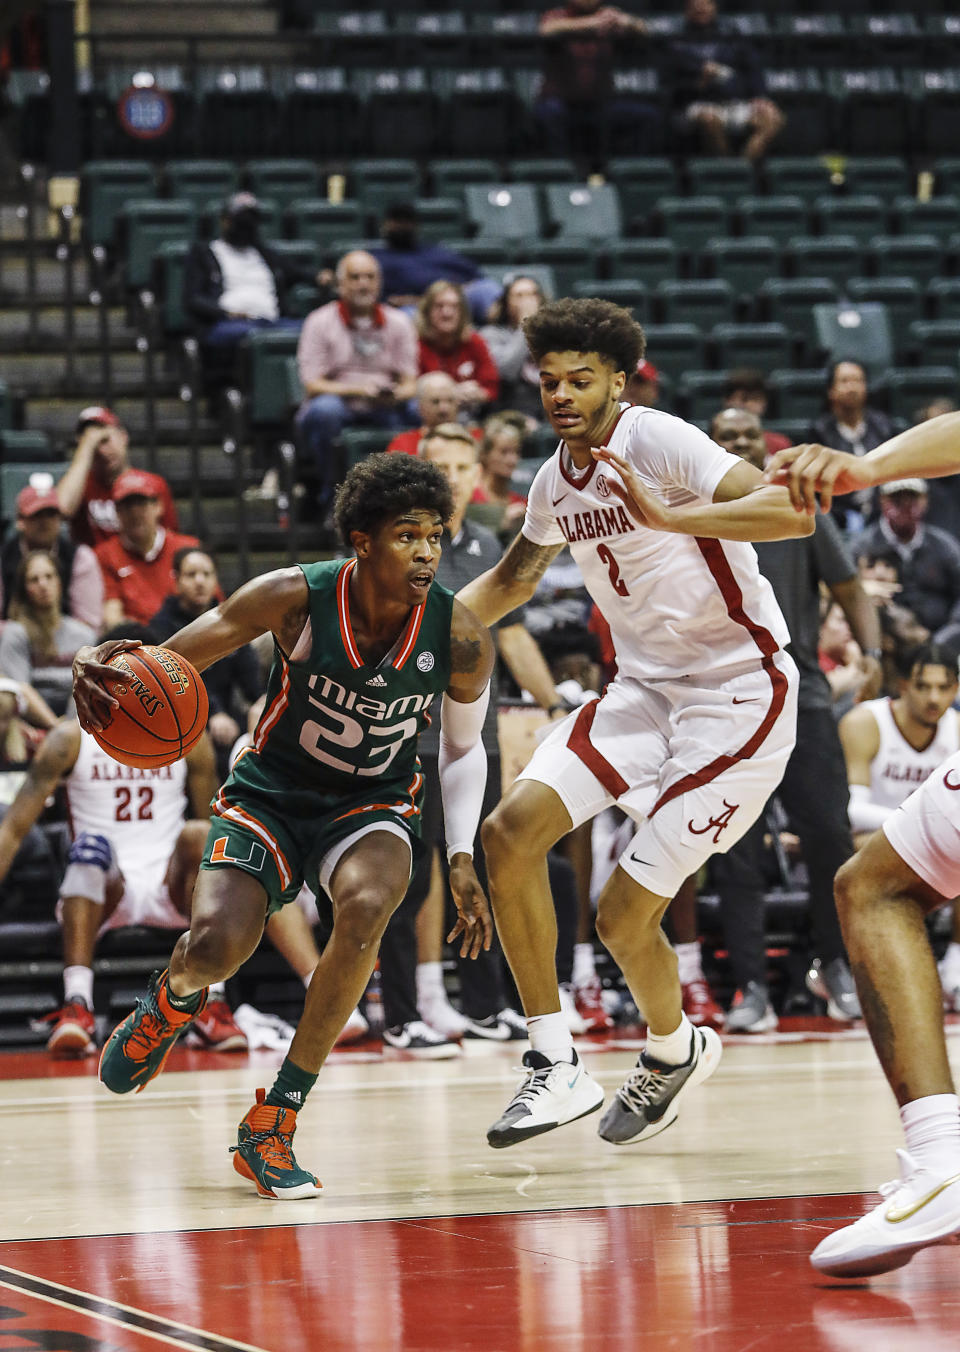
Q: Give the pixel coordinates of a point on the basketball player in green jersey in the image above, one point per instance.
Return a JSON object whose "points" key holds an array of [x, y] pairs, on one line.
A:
{"points": [[330, 791]]}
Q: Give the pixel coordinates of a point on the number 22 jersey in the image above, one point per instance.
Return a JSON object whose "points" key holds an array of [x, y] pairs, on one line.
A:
{"points": [[676, 605]]}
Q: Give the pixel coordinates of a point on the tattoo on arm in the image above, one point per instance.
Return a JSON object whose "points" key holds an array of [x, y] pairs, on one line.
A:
{"points": [[528, 562], [464, 654]]}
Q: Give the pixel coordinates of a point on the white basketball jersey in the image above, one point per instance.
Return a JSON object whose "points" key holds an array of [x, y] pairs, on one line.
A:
{"points": [[675, 604], [898, 768], [141, 812]]}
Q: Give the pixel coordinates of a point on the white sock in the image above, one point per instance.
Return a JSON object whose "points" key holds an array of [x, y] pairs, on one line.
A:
{"points": [[430, 982], [932, 1128], [584, 965], [675, 1048], [78, 985], [688, 959], [951, 956], [550, 1036], [217, 991]]}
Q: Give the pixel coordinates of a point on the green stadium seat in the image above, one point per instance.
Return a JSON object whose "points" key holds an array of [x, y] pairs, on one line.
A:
{"points": [[201, 181], [691, 222], [640, 181], [319, 112], [943, 298], [504, 211], [450, 177], [872, 109], [917, 256], [702, 302], [105, 188], [480, 114], [797, 394], [887, 176], [861, 215], [836, 257], [790, 301], [377, 183], [675, 348], [861, 333], [169, 265], [359, 442], [758, 346], [269, 400], [238, 111], [571, 261], [936, 95], [700, 395], [723, 176], [806, 176], [744, 261], [539, 272], [909, 388], [325, 223], [649, 260], [902, 297], [147, 224], [811, 118], [946, 175], [27, 446], [581, 212], [302, 256], [440, 218], [779, 218], [938, 216], [208, 219], [632, 295], [400, 112], [935, 342], [543, 169], [495, 256], [15, 476], [283, 181]]}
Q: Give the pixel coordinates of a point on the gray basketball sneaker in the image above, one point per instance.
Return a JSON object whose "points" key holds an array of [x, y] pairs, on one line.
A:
{"points": [[649, 1099]]}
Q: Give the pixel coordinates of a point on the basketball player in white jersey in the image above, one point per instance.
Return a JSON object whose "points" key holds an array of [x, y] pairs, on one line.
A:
{"points": [[907, 868], [690, 739]]}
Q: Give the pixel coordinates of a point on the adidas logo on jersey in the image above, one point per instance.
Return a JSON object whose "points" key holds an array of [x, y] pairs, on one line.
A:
{"points": [[376, 680]]}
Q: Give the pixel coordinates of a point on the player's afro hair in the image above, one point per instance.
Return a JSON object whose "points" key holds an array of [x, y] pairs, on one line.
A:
{"points": [[586, 326], [384, 486]]}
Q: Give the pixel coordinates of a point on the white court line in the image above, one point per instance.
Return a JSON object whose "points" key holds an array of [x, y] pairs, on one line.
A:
{"points": [[79, 1309]]}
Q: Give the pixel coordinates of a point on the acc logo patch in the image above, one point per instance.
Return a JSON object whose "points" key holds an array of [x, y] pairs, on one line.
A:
{"points": [[426, 662]]}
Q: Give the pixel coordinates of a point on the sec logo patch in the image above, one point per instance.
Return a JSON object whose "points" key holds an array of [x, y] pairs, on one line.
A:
{"points": [[426, 662]]}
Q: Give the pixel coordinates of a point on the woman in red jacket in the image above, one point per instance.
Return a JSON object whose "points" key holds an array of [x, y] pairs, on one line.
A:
{"points": [[448, 343]]}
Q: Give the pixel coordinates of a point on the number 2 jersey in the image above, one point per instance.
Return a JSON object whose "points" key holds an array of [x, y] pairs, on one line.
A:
{"points": [[676, 604], [337, 727]]}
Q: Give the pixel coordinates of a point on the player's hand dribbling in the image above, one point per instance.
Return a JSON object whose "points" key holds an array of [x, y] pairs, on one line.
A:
{"points": [[92, 698], [642, 505], [474, 922]]}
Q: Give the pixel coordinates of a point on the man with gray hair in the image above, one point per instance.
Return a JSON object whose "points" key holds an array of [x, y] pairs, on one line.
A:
{"points": [[438, 401], [358, 365]]}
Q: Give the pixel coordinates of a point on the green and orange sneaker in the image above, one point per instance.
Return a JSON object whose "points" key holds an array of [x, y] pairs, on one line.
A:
{"points": [[137, 1048], [264, 1153]]}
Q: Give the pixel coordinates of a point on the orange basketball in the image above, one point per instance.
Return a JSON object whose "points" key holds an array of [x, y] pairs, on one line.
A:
{"points": [[163, 708]]}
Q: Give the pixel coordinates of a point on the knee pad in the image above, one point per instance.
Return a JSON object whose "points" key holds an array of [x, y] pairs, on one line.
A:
{"points": [[89, 864]]}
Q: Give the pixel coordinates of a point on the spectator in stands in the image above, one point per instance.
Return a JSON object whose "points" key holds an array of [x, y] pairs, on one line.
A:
{"points": [[19, 743], [449, 343], [747, 388], [408, 265], [38, 642], [39, 526], [358, 366], [814, 787], [236, 284], [85, 492], [500, 453], [849, 424], [503, 335], [899, 627], [927, 558], [578, 109], [643, 387], [840, 658], [717, 84], [137, 563], [438, 401], [943, 508], [235, 681]]}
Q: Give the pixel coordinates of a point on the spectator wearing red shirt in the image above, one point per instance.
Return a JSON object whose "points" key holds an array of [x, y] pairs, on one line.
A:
{"points": [[500, 453], [137, 562], [438, 401], [86, 489], [448, 343]]}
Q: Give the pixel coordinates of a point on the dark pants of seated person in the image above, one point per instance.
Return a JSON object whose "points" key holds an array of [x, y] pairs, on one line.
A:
{"points": [[814, 796], [486, 986], [619, 126], [229, 332], [319, 423]]}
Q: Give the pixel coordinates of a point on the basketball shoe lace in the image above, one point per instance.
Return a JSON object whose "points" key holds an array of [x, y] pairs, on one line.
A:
{"points": [[150, 1028], [643, 1087], [536, 1081], [273, 1144]]}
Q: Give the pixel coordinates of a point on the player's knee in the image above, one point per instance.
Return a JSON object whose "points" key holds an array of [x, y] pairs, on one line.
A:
{"points": [[848, 889], [362, 915], [91, 849], [509, 831], [89, 865]]}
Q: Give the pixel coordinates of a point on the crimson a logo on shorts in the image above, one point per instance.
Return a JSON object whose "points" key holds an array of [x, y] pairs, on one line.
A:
{"points": [[717, 824], [602, 484]]}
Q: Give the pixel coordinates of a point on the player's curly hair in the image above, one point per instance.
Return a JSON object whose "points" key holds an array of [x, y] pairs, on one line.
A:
{"points": [[384, 486], [586, 325]]}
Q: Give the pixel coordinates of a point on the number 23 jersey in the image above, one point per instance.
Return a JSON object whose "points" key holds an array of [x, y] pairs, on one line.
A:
{"points": [[676, 604], [335, 725]]}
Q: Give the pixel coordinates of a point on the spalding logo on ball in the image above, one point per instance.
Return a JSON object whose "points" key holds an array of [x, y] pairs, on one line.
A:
{"points": [[162, 708]]}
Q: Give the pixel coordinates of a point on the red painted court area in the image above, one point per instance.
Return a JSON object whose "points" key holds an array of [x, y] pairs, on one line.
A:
{"points": [[709, 1277]]}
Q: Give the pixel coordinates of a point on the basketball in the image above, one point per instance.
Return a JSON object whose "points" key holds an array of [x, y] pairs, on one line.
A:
{"points": [[163, 709]]}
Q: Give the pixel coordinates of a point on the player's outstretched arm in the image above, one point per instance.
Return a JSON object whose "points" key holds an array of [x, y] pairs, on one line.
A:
{"points": [[463, 773], [930, 450], [510, 582], [742, 508], [55, 759]]}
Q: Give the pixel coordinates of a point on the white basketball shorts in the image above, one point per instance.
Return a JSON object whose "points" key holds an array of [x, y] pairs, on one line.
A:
{"points": [[925, 829]]}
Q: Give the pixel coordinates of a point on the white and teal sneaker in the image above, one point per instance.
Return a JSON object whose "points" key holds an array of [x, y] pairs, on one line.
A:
{"points": [[552, 1093]]}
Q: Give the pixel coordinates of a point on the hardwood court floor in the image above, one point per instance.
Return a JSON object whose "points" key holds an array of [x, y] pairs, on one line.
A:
{"points": [[123, 1225]]}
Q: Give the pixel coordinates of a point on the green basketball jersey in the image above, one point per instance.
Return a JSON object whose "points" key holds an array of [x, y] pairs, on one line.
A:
{"points": [[331, 723]]}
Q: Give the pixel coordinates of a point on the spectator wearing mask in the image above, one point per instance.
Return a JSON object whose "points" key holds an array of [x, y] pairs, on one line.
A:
{"points": [[519, 377], [358, 366], [38, 642], [137, 563], [747, 388], [408, 265], [39, 525], [236, 284], [449, 343], [717, 84], [85, 492]]}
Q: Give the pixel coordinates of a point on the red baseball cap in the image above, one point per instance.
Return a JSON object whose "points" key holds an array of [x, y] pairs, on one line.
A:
{"points": [[647, 371], [99, 416], [137, 483], [32, 500]]}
